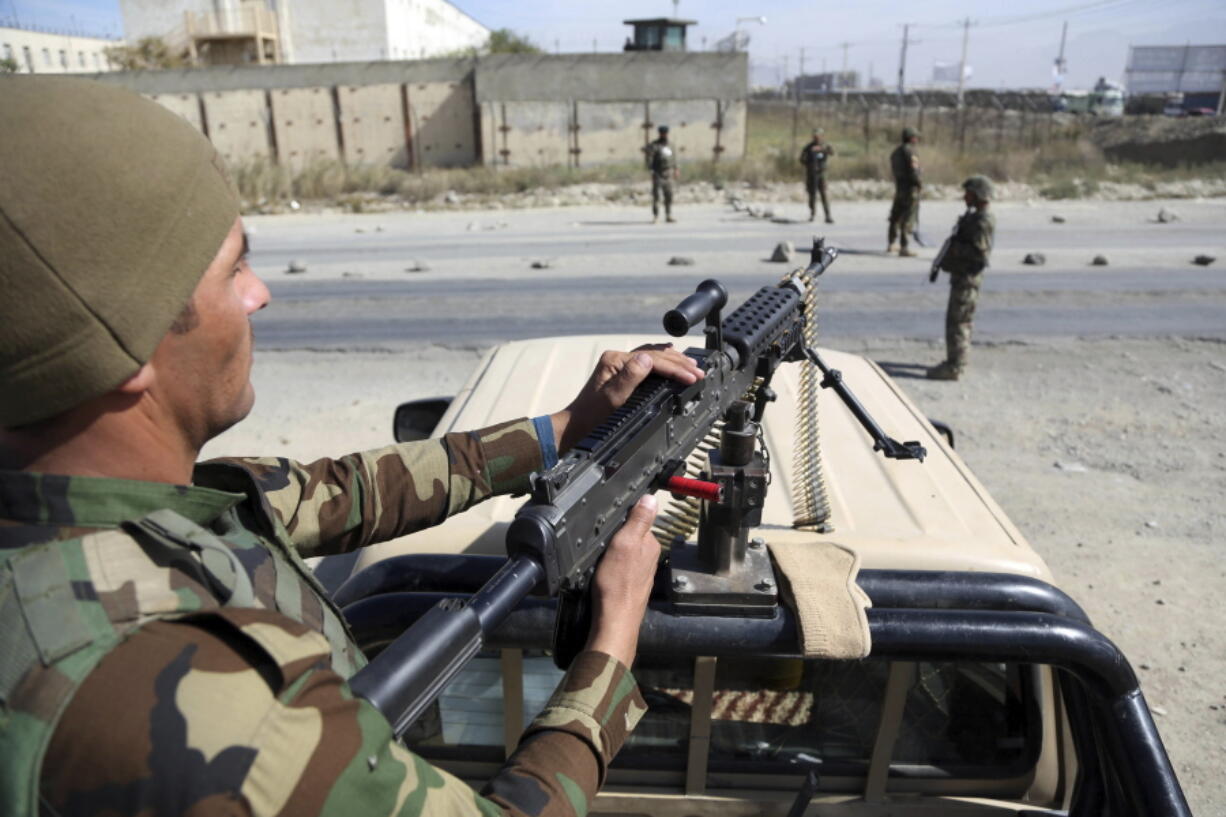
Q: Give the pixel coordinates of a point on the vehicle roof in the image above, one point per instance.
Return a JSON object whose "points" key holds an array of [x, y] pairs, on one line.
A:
{"points": [[898, 514]]}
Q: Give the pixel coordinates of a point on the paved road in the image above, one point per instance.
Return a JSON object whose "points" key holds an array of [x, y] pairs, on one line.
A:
{"points": [[608, 273]]}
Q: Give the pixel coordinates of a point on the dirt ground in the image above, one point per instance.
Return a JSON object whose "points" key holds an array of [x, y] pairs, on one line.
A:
{"points": [[1109, 455]]}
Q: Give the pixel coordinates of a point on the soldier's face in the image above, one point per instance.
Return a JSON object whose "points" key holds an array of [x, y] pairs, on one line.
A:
{"points": [[203, 365]]}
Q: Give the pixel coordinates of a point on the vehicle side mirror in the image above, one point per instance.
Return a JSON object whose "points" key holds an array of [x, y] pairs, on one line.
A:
{"points": [[417, 419]]}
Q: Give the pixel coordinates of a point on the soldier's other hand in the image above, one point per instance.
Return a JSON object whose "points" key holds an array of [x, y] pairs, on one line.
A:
{"points": [[622, 584], [616, 376]]}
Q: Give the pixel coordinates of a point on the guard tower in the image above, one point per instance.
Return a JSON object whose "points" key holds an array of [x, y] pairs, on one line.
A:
{"points": [[658, 34]]}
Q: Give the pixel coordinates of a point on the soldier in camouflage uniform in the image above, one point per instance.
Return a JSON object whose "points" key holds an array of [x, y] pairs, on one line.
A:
{"points": [[814, 157], [662, 162], [965, 259], [904, 212], [164, 649]]}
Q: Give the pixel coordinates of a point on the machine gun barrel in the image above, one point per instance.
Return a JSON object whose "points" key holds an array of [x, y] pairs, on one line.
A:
{"points": [[411, 671]]}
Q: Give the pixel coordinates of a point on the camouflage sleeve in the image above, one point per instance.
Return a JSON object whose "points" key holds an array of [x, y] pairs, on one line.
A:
{"points": [[238, 714], [970, 247], [335, 505]]}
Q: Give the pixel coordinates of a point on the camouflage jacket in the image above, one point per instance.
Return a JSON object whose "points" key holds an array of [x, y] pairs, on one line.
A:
{"points": [[905, 166], [814, 157], [163, 648], [661, 158], [970, 246]]}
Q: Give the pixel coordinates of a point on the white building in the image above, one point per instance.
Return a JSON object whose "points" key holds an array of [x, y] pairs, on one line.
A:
{"points": [[42, 52], [304, 31]]}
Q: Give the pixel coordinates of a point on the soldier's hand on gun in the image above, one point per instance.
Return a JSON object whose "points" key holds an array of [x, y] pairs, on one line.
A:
{"points": [[616, 376], [622, 584]]}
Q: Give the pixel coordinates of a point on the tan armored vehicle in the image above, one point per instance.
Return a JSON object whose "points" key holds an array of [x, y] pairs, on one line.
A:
{"points": [[985, 690]]}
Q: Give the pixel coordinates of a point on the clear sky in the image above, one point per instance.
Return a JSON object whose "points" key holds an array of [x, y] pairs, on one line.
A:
{"points": [[1011, 44]]}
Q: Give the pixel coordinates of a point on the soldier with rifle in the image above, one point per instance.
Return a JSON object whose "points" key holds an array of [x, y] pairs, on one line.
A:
{"points": [[814, 157], [166, 649], [904, 212], [662, 163], [964, 256]]}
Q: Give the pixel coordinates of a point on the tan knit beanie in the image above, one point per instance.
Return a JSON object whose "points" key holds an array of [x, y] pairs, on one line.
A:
{"points": [[111, 208]]}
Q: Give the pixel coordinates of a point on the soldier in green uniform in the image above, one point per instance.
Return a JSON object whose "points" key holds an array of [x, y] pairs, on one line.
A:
{"points": [[165, 648], [965, 258], [814, 157], [662, 162], [904, 212]]}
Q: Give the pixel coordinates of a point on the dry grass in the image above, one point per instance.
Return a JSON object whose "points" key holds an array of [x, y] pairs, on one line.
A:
{"points": [[1056, 158]]}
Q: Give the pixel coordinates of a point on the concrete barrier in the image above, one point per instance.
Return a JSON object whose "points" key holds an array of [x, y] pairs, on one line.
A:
{"points": [[442, 119], [237, 122], [305, 126], [510, 110], [373, 124]]}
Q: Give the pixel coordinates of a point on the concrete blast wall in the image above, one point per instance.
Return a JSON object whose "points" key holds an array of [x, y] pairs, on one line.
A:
{"points": [[503, 110]]}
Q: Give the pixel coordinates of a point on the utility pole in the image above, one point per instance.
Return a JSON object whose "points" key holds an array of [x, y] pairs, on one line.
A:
{"points": [[902, 61], [966, 31], [1061, 65], [796, 104], [843, 75]]}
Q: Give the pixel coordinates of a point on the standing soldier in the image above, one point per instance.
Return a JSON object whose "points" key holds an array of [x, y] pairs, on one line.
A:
{"points": [[814, 157], [965, 257], [662, 163], [907, 185]]}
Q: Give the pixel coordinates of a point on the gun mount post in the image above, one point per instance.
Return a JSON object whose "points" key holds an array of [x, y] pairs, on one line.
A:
{"points": [[728, 569]]}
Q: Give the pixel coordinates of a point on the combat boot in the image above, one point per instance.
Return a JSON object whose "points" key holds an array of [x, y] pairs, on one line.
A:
{"points": [[942, 371], [812, 215], [892, 248], [907, 252], [829, 220], [669, 218]]}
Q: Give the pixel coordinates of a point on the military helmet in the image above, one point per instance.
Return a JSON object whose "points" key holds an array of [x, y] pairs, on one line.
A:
{"points": [[909, 133], [663, 129], [818, 131], [980, 186]]}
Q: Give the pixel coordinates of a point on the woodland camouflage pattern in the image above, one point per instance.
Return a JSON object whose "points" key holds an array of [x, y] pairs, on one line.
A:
{"points": [[814, 157], [180, 657], [662, 162], [969, 250], [904, 211]]}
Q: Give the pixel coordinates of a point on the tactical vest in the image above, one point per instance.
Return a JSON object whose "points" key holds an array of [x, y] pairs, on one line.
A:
{"points": [[54, 629]]}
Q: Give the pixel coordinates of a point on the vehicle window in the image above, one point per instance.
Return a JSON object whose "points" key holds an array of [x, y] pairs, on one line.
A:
{"points": [[775, 716]]}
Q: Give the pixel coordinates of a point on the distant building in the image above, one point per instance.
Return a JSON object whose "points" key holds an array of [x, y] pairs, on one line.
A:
{"points": [[829, 82], [229, 32], [658, 34], [45, 52], [1198, 72]]}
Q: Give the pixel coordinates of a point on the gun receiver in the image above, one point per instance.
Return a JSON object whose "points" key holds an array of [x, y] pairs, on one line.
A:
{"points": [[575, 508]]}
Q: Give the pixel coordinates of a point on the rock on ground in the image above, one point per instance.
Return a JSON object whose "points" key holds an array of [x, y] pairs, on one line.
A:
{"points": [[783, 252]]}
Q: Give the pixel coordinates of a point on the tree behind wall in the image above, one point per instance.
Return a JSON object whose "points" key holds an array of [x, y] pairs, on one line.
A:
{"points": [[506, 41], [148, 54]]}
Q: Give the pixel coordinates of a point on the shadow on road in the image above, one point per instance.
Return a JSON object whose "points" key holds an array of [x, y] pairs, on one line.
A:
{"points": [[912, 370], [623, 223], [854, 251]]}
